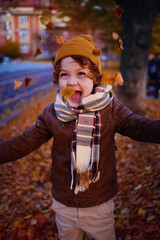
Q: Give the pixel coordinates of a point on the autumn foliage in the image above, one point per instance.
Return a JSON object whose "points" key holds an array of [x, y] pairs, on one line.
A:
{"points": [[10, 49], [25, 196]]}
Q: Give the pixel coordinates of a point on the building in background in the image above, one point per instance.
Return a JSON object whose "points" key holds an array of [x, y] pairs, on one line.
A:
{"points": [[20, 23]]}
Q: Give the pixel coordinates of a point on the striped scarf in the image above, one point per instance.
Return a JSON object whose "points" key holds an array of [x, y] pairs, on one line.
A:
{"points": [[86, 136]]}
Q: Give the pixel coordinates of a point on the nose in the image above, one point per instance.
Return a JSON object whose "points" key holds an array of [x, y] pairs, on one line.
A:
{"points": [[72, 81]]}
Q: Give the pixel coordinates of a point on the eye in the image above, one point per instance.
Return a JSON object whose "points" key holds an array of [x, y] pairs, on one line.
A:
{"points": [[81, 74], [63, 75]]}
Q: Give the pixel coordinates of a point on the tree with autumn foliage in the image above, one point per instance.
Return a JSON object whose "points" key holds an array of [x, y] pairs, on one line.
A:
{"points": [[96, 17], [10, 49]]}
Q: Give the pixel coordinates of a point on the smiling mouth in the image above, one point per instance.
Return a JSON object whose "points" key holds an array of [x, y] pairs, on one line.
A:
{"points": [[77, 96]]}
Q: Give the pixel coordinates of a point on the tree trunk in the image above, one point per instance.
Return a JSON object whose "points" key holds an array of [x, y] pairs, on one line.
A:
{"points": [[137, 24]]}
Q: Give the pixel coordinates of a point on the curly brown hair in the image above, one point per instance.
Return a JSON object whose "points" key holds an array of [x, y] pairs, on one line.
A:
{"points": [[83, 62]]}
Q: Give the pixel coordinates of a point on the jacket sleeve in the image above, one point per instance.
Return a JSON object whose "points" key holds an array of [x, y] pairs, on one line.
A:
{"points": [[138, 128], [29, 141]]}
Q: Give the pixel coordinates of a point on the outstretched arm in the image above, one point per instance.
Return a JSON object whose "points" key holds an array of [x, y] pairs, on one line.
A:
{"points": [[136, 127], [29, 141]]}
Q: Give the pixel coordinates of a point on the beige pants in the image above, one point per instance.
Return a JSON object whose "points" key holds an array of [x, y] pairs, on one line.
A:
{"points": [[97, 222]]}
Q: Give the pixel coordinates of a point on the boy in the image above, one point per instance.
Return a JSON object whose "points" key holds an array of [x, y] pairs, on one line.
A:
{"points": [[84, 178]]}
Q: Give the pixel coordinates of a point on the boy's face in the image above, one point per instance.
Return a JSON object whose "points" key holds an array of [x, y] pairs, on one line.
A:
{"points": [[73, 75]]}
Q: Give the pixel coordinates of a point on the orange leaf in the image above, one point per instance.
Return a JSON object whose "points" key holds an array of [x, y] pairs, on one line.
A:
{"points": [[119, 79], [107, 79], [117, 41], [30, 233], [17, 84], [45, 18], [59, 39], [49, 26], [27, 81], [141, 212], [67, 92], [38, 52], [41, 219], [118, 11]]}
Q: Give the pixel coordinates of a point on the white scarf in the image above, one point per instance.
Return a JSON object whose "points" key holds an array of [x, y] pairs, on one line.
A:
{"points": [[86, 136]]}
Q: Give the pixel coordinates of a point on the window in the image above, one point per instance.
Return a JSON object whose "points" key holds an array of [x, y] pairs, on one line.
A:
{"points": [[24, 48], [23, 18], [24, 33]]}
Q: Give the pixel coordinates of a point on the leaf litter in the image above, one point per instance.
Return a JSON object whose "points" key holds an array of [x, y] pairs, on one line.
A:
{"points": [[25, 196]]}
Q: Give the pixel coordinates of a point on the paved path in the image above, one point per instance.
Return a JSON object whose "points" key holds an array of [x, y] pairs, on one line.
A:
{"points": [[11, 100]]}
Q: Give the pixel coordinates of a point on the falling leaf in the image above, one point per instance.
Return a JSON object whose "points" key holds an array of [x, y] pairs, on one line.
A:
{"points": [[117, 41], [49, 26], [67, 92], [17, 84], [38, 52], [45, 18], [27, 81], [118, 11], [119, 79], [107, 79], [59, 39]]}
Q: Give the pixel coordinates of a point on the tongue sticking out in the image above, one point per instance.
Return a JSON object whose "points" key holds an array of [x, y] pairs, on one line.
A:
{"points": [[76, 97]]}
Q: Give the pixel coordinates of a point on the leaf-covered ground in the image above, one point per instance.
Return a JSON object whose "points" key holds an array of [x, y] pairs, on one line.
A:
{"points": [[25, 188]]}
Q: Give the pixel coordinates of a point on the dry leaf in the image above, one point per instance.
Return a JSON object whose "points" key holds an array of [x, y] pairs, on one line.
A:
{"points": [[49, 26], [118, 43], [17, 84], [107, 79], [115, 36], [38, 52], [41, 219], [118, 11], [67, 92], [45, 18], [141, 212], [59, 39], [119, 79], [27, 81]]}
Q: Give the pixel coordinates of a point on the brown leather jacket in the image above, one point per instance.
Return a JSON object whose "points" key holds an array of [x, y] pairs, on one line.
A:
{"points": [[115, 118]]}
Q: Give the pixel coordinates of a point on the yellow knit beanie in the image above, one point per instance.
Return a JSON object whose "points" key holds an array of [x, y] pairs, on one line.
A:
{"points": [[81, 45]]}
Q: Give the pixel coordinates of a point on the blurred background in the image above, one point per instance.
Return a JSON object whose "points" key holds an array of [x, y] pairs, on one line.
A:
{"points": [[27, 52], [21, 33]]}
